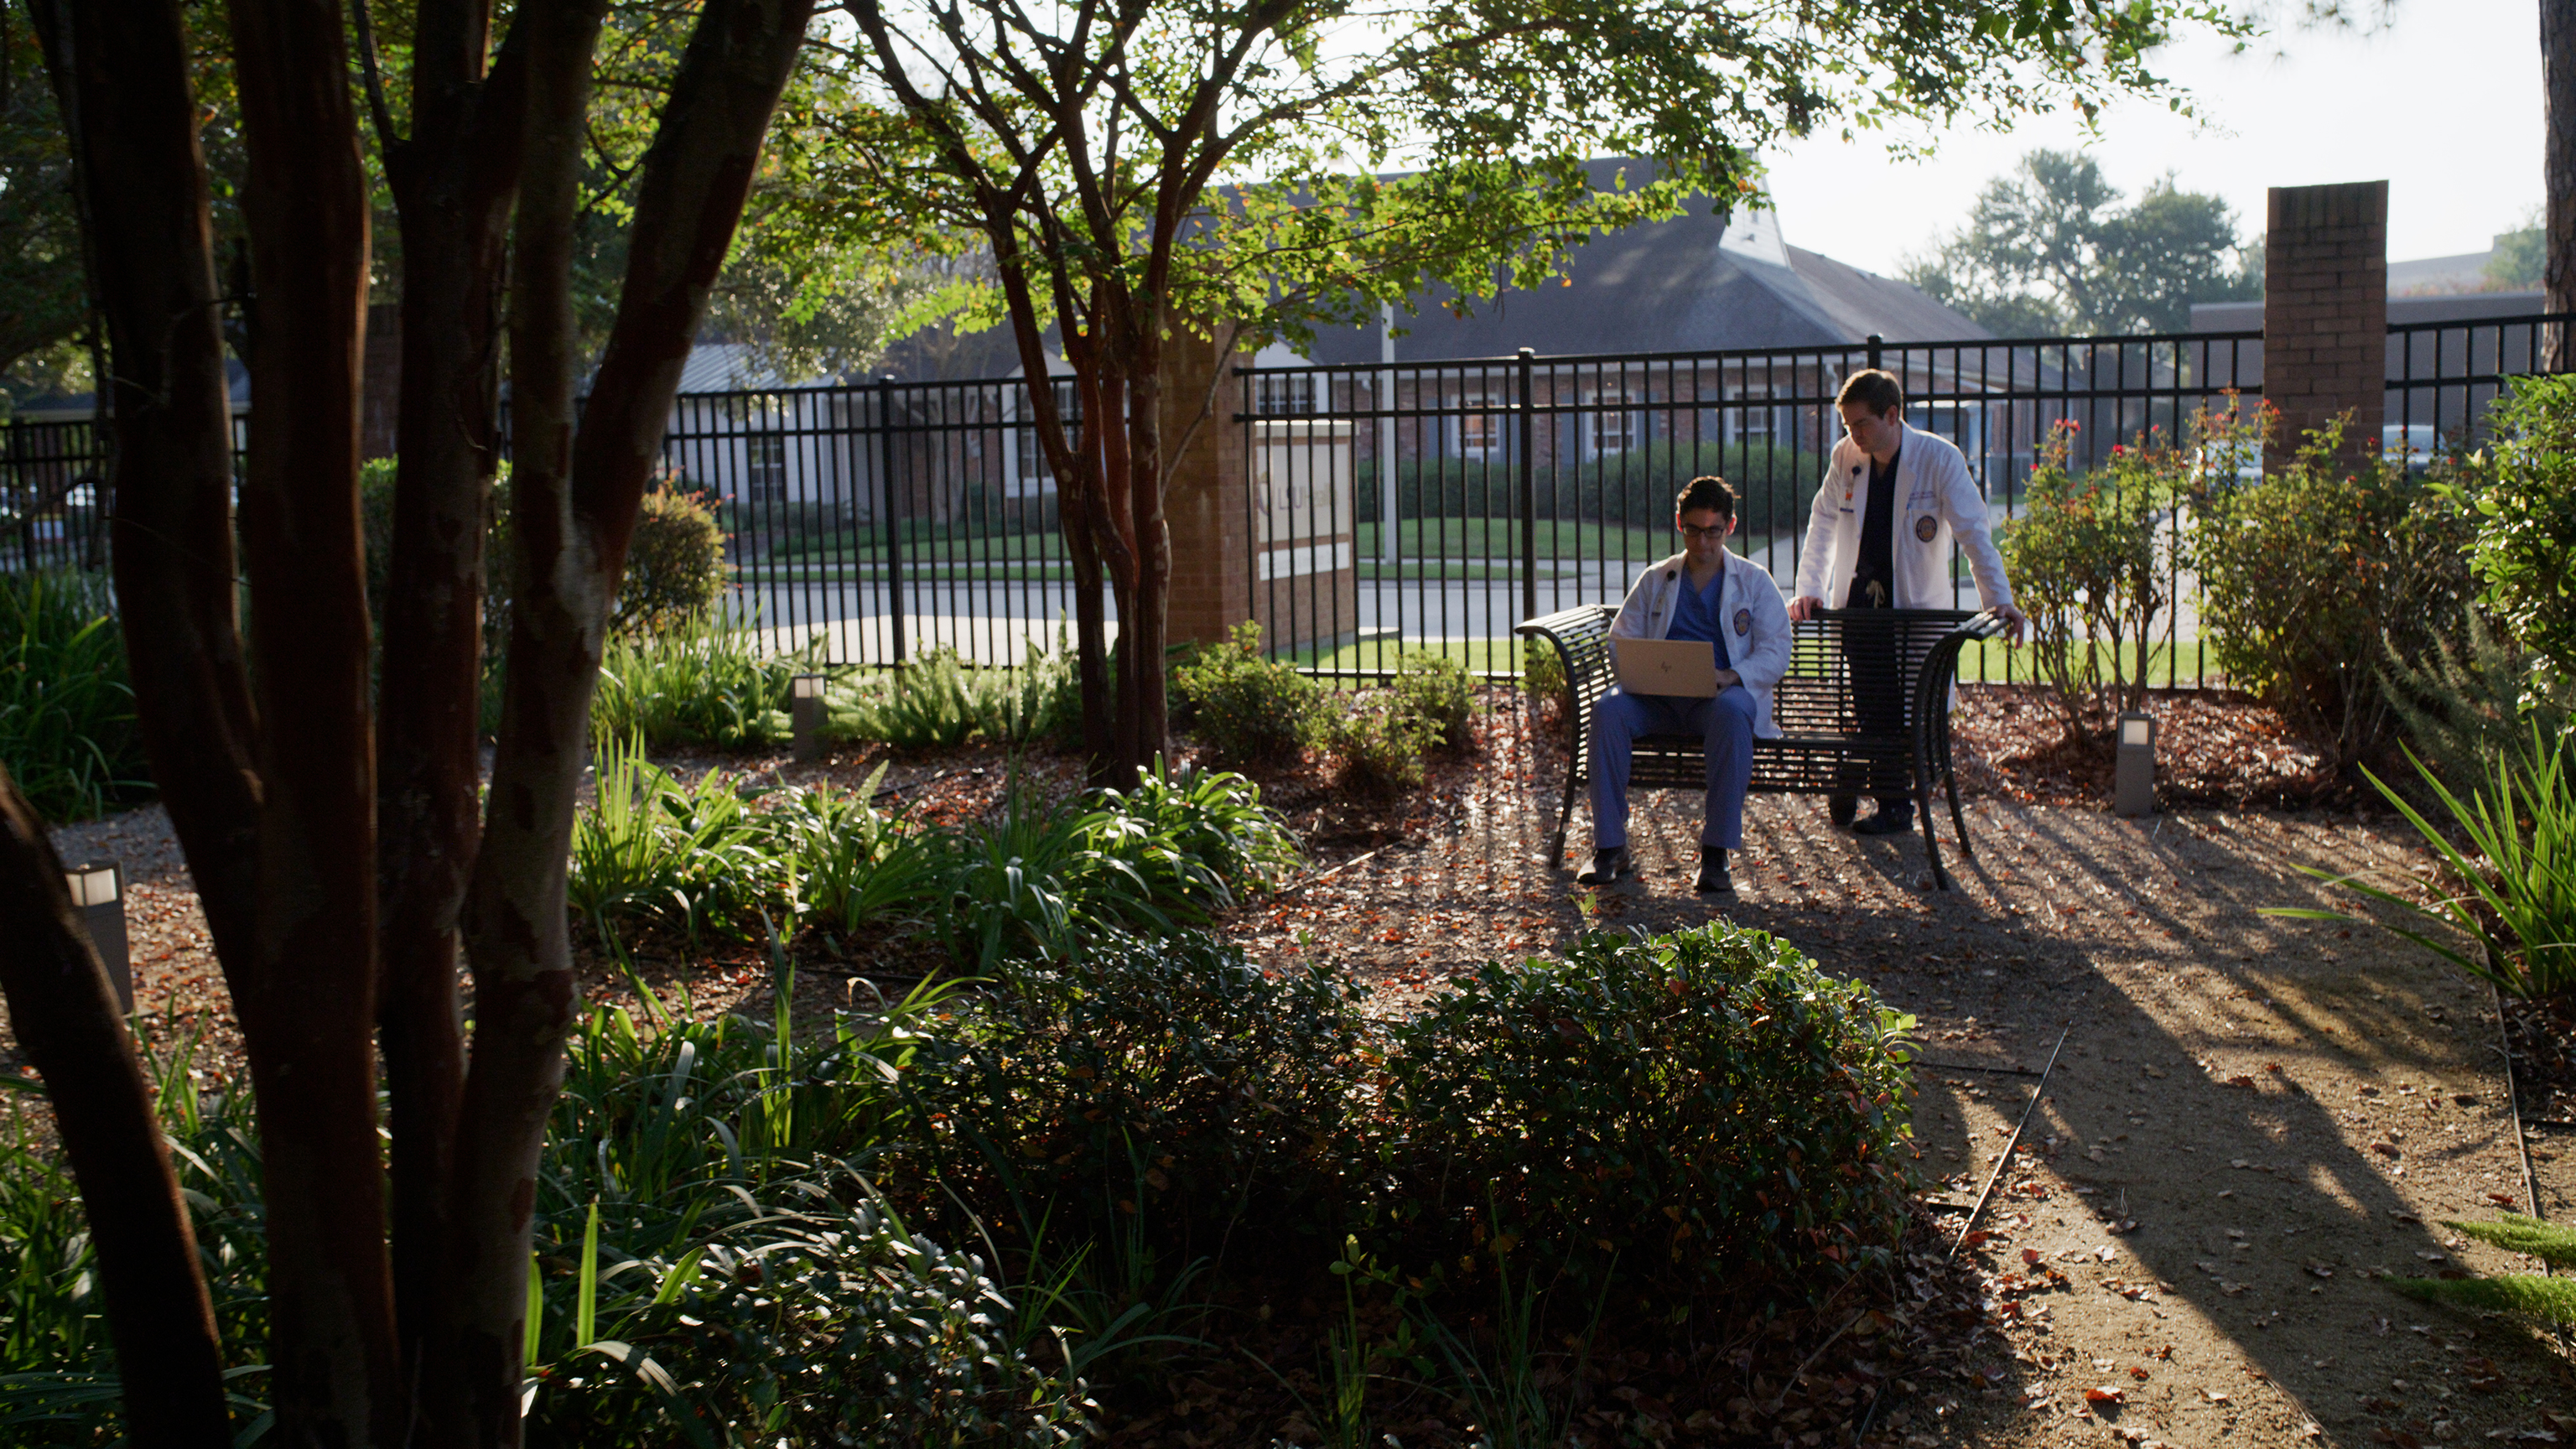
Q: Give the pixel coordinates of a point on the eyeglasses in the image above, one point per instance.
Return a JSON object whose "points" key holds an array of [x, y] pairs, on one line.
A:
{"points": [[1694, 533]]}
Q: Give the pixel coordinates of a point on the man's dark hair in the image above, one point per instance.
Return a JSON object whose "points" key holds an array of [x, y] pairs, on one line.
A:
{"points": [[1873, 388], [1710, 493]]}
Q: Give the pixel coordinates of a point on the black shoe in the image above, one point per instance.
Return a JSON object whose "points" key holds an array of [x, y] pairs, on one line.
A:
{"points": [[1607, 866], [1713, 879], [1886, 822]]}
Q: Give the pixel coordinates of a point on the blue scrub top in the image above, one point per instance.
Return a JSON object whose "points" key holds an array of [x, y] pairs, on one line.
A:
{"points": [[1696, 616]]}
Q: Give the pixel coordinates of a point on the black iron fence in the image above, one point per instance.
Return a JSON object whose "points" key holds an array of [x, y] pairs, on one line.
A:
{"points": [[1427, 504], [1433, 504], [1414, 504], [52, 512], [873, 523]]}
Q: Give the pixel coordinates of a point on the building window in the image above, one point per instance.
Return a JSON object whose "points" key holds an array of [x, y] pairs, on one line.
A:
{"points": [[1616, 427], [766, 467], [1031, 475], [1290, 393], [1749, 421], [1480, 427]]}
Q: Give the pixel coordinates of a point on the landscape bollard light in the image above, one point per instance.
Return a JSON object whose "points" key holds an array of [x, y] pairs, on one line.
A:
{"points": [[2134, 780], [98, 893], [805, 716]]}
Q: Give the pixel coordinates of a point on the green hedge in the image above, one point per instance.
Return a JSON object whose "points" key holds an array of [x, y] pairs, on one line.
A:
{"points": [[1774, 486]]}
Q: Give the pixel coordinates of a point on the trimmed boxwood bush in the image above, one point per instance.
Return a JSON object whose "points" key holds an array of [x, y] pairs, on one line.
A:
{"points": [[1246, 708], [1170, 1087], [1435, 689], [1704, 1112]]}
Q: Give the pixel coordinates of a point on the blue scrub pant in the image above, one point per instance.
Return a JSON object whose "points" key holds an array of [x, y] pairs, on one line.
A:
{"points": [[1725, 722]]}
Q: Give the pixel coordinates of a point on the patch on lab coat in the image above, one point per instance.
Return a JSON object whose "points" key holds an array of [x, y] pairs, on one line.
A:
{"points": [[1744, 621], [1925, 527]]}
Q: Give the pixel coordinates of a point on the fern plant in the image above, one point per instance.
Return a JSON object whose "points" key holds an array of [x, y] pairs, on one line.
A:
{"points": [[2551, 1300]]}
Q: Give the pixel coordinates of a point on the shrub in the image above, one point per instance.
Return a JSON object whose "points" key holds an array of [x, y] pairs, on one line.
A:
{"points": [[675, 568], [710, 1261], [68, 732], [62, 1384], [701, 681], [1544, 679], [2466, 701], [1040, 877], [1435, 688], [1708, 1111], [2526, 524], [675, 565], [2092, 562], [1244, 707], [2312, 574], [1170, 1086], [1380, 747]]}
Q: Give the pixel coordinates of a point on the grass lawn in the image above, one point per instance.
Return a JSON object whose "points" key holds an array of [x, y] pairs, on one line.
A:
{"points": [[1499, 538], [1991, 661]]}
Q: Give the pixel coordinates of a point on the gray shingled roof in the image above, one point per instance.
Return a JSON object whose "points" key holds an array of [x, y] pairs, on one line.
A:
{"points": [[1694, 283]]}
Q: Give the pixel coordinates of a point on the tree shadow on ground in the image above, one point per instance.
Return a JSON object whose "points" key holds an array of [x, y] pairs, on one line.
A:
{"points": [[2282, 1109]]}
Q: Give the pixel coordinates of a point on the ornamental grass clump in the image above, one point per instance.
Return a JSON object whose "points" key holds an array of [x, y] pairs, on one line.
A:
{"points": [[1668, 1119], [68, 733], [2507, 911], [2549, 1299]]}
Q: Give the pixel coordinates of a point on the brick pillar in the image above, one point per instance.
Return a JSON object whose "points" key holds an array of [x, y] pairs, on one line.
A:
{"points": [[2325, 311], [1209, 505]]}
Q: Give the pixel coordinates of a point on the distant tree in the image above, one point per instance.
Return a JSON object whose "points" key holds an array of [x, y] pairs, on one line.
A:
{"points": [[2515, 265], [1153, 174], [44, 304], [2049, 248]]}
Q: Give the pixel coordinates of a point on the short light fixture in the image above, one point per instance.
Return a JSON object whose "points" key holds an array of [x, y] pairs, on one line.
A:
{"points": [[98, 893], [805, 716], [2133, 791]]}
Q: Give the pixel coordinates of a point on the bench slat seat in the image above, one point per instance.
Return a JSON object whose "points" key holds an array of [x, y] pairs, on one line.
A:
{"points": [[1823, 748]]}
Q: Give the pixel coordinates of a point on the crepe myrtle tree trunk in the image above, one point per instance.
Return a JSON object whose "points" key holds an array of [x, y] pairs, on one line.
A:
{"points": [[119, 73], [2558, 164], [119, 70], [160, 1319], [454, 180], [574, 498], [307, 1001]]}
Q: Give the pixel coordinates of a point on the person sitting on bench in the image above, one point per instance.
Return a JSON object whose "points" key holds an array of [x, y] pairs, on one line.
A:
{"points": [[1703, 592], [1892, 500]]}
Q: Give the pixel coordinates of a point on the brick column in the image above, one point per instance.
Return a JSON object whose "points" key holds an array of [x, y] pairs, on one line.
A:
{"points": [[2325, 311], [1209, 505]]}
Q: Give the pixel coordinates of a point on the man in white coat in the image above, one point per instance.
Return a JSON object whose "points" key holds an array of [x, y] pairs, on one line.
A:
{"points": [[1703, 592], [1893, 501]]}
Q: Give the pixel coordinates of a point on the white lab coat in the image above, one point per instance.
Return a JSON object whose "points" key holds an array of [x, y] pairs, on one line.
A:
{"points": [[1748, 603], [1936, 502]]}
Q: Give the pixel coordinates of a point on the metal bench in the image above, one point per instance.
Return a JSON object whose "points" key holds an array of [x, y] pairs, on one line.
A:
{"points": [[1822, 749]]}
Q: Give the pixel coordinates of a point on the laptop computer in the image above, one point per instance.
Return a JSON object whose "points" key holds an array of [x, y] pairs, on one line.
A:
{"points": [[1686, 668]]}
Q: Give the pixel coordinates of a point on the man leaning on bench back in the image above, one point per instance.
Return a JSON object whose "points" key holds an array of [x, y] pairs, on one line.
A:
{"points": [[1706, 592]]}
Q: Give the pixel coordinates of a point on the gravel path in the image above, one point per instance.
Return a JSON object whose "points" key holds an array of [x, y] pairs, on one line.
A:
{"points": [[2254, 1119]]}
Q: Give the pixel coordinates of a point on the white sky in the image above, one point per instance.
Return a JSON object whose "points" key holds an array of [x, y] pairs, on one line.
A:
{"points": [[2445, 105]]}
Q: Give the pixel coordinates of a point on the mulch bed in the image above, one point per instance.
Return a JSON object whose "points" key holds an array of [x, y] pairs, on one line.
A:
{"points": [[2213, 747]]}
